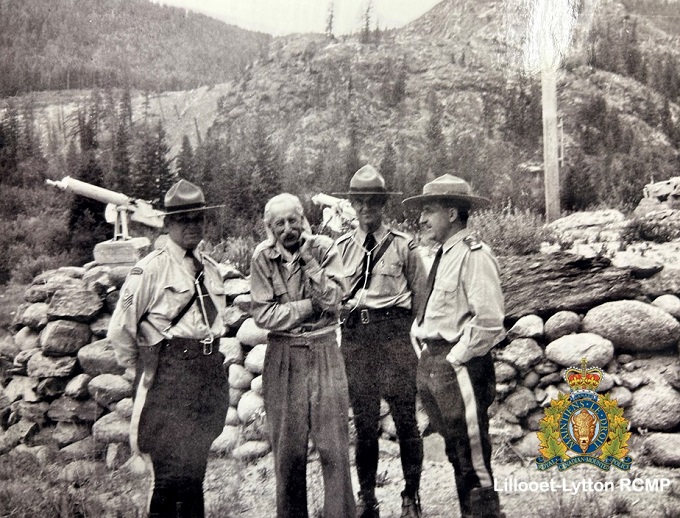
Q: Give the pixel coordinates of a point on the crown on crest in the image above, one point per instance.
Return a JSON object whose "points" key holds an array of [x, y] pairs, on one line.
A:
{"points": [[583, 378]]}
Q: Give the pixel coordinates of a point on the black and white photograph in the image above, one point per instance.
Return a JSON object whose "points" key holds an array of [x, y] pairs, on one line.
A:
{"points": [[339, 258]]}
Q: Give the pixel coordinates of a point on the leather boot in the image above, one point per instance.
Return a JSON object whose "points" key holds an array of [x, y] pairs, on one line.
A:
{"points": [[485, 504], [410, 506], [367, 507]]}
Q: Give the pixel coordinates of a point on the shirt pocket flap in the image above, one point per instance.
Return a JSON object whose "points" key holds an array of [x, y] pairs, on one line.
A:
{"points": [[279, 287], [389, 269], [446, 284]]}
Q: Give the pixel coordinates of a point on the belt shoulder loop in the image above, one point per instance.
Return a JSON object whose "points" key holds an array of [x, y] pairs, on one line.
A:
{"points": [[208, 345]]}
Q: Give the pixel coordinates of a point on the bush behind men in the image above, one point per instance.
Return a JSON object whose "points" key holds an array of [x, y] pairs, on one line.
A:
{"points": [[384, 271]]}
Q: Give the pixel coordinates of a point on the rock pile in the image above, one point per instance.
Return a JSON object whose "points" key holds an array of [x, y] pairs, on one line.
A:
{"points": [[63, 390]]}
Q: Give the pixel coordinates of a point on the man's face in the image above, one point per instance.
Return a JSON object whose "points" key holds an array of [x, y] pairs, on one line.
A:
{"points": [[369, 209], [186, 229], [286, 225], [436, 222]]}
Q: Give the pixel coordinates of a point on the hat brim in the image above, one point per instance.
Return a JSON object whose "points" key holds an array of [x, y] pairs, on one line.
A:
{"points": [[473, 202], [194, 209], [366, 193]]}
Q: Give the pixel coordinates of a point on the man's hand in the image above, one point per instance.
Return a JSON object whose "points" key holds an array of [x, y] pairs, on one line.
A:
{"points": [[306, 248]]}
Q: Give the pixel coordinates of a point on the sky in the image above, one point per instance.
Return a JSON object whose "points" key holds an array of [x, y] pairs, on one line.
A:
{"points": [[279, 17]]}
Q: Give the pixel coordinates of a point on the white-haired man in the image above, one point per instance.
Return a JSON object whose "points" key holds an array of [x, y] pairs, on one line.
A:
{"points": [[296, 290]]}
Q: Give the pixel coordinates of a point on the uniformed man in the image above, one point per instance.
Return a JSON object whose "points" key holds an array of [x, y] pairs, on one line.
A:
{"points": [[461, 321], [384, 272], [296, 291], [165, 330]]}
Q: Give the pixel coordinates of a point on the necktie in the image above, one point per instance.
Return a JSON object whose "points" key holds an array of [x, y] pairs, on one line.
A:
{"points": [[366, 266], [430, 285], [205, 303]]}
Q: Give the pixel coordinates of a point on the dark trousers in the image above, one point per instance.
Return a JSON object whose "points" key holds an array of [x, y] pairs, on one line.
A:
{"points": [[457, 402], [305, 394], [381, 363], [182, 413]]}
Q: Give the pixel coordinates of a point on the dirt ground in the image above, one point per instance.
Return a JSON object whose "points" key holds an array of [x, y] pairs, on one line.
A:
{"points": [[248, 490]]}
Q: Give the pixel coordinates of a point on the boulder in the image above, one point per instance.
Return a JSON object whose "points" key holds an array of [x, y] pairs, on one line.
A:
{"points": [[239, 377], [251, 450], [528, 445], [41, 366], [46, 284], [574, 283], [111, 428], [235, 316], [256, 385], [85, 448], [20, 432], [235, 396], [226, 441], [232, 417], [520, 402], [77, 386], [663, 449], [8, 346], [530, 326], [75, 411], [250, 407], [254, 361], [50, 388], [22, 387], [106, 389], [504, 371], [655, 407], [81, 305], [250, 334], [117, 454], [522, 353], [66, 433], [100, 325], [35, 316], [633, 326], [64, 337], [568, 350], [243, 302], [232, 350], [29, 411], [622, 395], [99, 358], [124, 407], [669, 303], [560, 324], [27, 338]]}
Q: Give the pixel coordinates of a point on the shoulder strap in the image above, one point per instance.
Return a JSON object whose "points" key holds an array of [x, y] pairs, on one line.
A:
{"points": [[378, 255]]}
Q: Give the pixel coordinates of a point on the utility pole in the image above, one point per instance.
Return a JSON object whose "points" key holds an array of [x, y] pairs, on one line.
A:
{"points": [[550, 144]]}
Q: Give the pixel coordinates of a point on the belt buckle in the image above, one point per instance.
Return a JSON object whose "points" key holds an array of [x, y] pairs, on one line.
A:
{"points": [[208, 345], [365, 318]]}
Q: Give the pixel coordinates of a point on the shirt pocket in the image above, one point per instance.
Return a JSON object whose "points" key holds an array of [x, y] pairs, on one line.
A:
{"points": [[388, 278], [444, 297], [174, 299]]}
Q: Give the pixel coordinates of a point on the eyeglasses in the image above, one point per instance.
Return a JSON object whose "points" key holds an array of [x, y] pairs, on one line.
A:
{"points": [[188, 220]]}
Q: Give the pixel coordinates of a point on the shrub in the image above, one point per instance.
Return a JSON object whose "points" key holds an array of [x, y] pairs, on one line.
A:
{"points": [[511, 231], [656, 231], [235, 250]]}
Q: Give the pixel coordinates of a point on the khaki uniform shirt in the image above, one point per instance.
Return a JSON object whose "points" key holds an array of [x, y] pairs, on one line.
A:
{"points": [[158, 287], [466, 305], [396, 281], [281, 290]]}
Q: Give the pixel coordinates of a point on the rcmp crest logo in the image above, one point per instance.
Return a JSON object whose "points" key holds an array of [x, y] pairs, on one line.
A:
{"points": [[583, 427]]}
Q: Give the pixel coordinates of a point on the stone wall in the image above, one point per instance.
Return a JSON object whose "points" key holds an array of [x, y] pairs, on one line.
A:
{"points": [[62, 389]]}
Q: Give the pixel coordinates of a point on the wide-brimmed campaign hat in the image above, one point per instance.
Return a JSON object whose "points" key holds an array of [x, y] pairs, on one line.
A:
{"points": [[448, 188], [366, 181], [184, 196]]}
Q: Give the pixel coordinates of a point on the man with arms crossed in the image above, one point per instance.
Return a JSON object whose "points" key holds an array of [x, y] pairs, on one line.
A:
{"points": [[384, 272], [296, 291], [459, 324]]}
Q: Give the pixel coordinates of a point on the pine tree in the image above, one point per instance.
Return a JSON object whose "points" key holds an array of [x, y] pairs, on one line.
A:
{"points": [[9, 147], [185, 165], [330, 18], [122, 161], [352, 155], [265, 167], [388, 166], [435, 149]]}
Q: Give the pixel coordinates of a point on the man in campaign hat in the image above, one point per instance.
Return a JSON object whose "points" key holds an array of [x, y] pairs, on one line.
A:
{"points": [[165, 331], [457, 326], [384, 272]]}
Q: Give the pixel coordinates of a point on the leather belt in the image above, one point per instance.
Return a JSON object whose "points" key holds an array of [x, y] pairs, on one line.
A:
{"points": [[189, 348], [368, 316]]}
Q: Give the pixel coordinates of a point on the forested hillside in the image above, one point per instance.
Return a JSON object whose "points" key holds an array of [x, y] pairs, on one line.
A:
{"points": [[446, 94], [72, 44]]}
